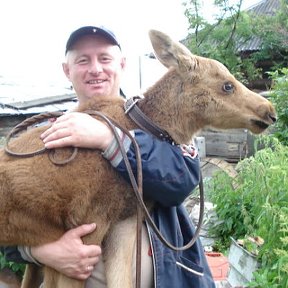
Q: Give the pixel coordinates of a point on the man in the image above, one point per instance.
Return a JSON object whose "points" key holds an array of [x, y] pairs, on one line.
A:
{"points": [[94, 65]]}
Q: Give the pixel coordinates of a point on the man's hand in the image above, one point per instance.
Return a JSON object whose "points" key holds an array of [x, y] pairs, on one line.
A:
{"points": [[78, 130], [69, 255]]}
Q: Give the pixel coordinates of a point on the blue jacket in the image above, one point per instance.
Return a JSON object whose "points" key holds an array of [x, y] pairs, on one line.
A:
{"points": [[183, 269], [170, 173]]}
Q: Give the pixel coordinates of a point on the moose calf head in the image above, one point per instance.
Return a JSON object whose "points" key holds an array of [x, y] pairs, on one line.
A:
{"points": [[206, 92]]}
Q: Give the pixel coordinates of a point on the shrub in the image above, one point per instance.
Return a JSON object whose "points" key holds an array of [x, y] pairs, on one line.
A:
{"points": [[279, 97], [255, 203], [17, 268]]}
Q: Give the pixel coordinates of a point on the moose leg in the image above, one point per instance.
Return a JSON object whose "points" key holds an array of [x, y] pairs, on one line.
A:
{"points": [[54, 279], [33, 276], [118, 254]]}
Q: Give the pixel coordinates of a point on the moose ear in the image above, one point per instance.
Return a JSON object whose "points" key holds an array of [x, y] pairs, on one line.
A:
{"points": [[171, 53]]}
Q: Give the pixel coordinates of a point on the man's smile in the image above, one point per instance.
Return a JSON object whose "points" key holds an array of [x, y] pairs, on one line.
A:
{"points": [[98, 81]]}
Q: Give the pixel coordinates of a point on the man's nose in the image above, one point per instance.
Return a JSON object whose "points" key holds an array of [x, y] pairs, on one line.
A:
{"points": [[95, 67]]}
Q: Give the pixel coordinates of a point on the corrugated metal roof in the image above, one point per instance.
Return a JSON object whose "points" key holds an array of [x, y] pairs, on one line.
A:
{"points": [[35, 106], [265, 7]]}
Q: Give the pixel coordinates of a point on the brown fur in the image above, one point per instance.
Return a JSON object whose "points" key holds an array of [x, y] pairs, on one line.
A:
{"points": [[40, 200]]}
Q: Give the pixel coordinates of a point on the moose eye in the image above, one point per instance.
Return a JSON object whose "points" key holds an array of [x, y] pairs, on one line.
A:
{"points": [[228, 87]]}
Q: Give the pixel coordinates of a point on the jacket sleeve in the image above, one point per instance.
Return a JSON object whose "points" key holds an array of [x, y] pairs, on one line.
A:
{"points": [[170, 172]]}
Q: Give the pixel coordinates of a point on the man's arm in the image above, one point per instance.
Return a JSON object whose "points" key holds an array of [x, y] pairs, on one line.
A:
{"points": [[67, 255], [167, 171], [170, 172]]}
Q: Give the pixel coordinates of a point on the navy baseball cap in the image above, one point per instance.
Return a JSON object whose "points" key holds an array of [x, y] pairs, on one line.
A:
{"points": [[91, 30]]}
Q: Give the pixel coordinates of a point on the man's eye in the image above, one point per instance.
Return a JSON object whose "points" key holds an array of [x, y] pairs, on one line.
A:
{"points": [[105, 59], [82, 61]]}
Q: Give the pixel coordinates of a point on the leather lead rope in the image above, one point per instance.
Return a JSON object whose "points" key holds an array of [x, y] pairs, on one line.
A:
{"points": [[137, 185], [31, 121], [145, 123], [24, 125]]}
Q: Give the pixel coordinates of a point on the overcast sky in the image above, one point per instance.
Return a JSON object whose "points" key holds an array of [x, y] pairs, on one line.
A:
{"points": [[34, 32]]}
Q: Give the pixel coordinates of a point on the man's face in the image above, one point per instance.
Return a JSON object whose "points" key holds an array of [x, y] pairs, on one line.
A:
{"points": [[94, 66]]}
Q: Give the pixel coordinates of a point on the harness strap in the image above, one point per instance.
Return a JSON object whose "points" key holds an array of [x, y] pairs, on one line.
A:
{"points": [[143, 121]]}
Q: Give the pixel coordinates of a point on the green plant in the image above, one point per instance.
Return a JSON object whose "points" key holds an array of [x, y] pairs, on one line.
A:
{"points": [[279, 96], [255, 203], [17, 268]]}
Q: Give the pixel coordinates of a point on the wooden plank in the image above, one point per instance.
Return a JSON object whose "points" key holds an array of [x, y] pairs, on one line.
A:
{"points": [[211, 165], [231, 144]]}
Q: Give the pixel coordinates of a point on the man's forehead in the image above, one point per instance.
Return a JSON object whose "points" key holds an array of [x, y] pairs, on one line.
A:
{"points": [[90, 47]]}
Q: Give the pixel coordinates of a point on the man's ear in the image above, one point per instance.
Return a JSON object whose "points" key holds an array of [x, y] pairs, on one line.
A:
{"points": [[123, 63], [66, 71]]}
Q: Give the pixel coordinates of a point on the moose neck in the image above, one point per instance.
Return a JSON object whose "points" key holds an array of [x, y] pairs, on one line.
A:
{"points": [[164, 103]]}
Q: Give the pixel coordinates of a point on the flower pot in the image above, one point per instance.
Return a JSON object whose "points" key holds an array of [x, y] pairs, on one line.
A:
{"points": [[242, 265], [218, 265]]}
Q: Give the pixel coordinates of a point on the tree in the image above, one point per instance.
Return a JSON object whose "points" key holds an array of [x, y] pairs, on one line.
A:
{"points": [[223, 37]]}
